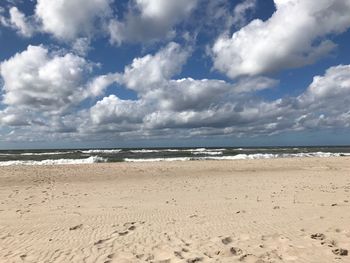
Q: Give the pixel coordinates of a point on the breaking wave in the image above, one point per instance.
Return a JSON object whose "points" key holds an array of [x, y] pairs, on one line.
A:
{"points": [[146, 151], [87, 156], [45, 153], [158, 159], [242, 157], [90, 160], [102, 151], [207, 153]]}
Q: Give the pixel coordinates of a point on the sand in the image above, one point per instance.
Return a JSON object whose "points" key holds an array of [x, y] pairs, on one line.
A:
{"points": [[281, 210]]}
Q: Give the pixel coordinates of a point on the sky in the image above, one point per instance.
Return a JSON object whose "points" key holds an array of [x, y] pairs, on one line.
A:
{"points": [[153, 73]]}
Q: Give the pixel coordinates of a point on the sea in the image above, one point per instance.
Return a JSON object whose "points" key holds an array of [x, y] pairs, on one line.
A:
{"points": [[88, 156]]}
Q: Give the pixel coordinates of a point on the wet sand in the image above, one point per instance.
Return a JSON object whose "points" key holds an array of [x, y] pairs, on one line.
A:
{"points": [[277, 210]]}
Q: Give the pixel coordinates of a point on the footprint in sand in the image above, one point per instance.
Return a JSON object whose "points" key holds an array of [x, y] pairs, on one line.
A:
{"points": [[132, 228], [129, 226], [101, 241], [76, 227], [340, 252], [226, 240], [318, 236], [178, 254], [194, 260], [110, 256], [236, 251], [330, 243]]}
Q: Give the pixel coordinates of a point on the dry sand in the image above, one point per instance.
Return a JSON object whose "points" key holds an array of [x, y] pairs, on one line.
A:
{"points": [[282, 210]]}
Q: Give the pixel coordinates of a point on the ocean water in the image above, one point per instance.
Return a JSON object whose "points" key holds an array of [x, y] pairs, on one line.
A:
{"points": [[86, 156]]}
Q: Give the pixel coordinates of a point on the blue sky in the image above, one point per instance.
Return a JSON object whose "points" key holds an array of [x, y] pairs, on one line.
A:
{"points": [[104, 73]]}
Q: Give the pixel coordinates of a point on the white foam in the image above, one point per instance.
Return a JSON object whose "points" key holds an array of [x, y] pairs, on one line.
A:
{"points": [[271, 156], [208, 153], [44, 153], [195, 150], [145, 151], [102, 151], [92, 159], [319, 154], [97, 159], [158, 159], [243, 157]]}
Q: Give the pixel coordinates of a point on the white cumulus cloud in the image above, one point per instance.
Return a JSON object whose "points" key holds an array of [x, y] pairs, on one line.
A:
{"points": [[164, 102], [43, 90], [70, 19], [294, 36], [150, 20], [36, 79], [112, 110], [19, 21], [181, 107], [152, 69], [239, 17]]}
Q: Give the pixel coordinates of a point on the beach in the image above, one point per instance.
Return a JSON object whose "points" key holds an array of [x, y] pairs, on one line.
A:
{"points": [[266, 210]]}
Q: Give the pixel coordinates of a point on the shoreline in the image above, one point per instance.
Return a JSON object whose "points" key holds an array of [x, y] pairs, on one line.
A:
{"points": [[67, 157], [204, 211], [100, 160]]}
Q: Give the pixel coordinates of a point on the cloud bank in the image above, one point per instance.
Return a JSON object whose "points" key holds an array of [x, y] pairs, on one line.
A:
{"points": [[42, 88]]}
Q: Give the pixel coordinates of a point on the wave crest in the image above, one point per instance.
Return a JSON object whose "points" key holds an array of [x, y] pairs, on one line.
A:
{"points": [[90, 160]]}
